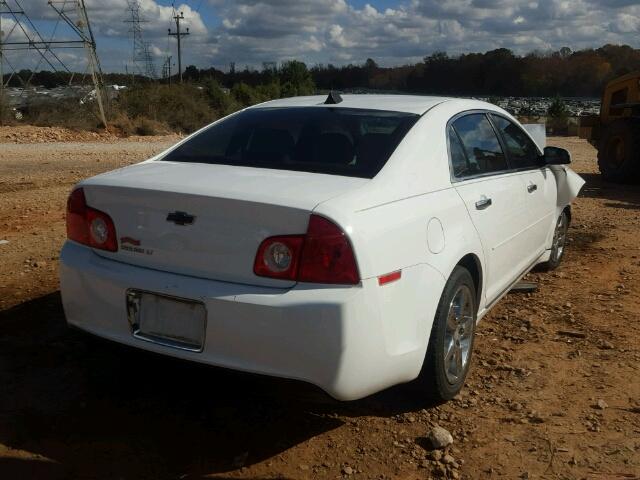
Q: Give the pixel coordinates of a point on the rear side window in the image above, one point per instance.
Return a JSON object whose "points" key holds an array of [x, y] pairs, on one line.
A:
{"points": [[481, 144], [459, 161], [339, 141], [523, 153]]}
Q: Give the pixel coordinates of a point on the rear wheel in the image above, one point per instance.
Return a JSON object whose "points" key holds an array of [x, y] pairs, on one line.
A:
{"points": [[451, 342], [619, 151]]}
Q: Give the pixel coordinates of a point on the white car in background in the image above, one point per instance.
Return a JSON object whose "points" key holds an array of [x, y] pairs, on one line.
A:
{"points": [[352, 242]]}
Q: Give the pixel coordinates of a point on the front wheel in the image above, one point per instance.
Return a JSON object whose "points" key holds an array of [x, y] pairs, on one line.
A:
{"points": [[451, 342], [559, 243]]}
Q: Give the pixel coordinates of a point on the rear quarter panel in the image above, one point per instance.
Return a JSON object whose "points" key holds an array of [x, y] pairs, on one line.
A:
{"points": [[398, 236], [388, 223]]}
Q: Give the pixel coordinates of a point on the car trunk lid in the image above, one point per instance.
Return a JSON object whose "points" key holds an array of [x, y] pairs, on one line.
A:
{"points": [[207, 220]]}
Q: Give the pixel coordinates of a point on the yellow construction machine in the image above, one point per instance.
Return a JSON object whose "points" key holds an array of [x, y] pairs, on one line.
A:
{"points": [[616, 131]]}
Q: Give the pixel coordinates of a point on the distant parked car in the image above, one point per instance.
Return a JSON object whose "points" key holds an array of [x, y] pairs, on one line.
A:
{"points": [[352, 243]]}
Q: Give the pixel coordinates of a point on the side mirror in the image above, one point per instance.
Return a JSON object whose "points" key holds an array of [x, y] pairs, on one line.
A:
{"points": [[556, 156]]}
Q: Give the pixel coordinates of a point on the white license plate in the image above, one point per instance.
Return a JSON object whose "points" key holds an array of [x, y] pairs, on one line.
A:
{"points": [[165, 320]]}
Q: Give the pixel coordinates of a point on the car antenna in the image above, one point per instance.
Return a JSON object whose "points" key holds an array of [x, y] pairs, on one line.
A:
{"points": [[333, 98]]}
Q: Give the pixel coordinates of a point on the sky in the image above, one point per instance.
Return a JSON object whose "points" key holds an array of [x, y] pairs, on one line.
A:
{"points": [[392, 32]]}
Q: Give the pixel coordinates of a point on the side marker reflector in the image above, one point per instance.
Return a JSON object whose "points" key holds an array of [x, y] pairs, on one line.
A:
{"points": [[389, 277]]}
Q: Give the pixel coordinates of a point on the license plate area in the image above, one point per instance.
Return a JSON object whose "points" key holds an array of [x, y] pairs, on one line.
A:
{"points": [[165, 320]]}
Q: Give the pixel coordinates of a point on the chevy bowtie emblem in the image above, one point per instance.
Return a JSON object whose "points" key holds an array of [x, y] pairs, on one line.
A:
{"points": [[181, 218]]}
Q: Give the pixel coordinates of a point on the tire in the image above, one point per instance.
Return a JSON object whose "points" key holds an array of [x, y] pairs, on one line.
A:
{"points": [[558, 245], [619, 151], [441, 379]]}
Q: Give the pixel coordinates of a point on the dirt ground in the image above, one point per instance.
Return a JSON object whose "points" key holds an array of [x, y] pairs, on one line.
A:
{"points": [[554, 390]]}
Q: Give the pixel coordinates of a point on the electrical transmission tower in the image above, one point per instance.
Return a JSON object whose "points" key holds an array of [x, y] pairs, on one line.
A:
{"points": [[22, 35], [19, 27], [178, 34], [141, 55]]}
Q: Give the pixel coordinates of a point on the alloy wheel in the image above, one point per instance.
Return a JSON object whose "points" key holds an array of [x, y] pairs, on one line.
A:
{"points": [[458, 334], [559, 238]]}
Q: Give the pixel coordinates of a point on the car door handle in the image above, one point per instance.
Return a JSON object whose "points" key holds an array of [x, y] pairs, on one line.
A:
{"points": [[532, 188], [483, 203]]}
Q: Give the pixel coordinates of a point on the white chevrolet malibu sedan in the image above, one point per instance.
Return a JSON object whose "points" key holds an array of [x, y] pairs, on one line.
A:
{"points": [[350, 242]]}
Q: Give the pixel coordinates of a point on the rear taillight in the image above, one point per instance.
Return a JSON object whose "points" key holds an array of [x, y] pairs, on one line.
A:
{"points": [[323, 255], [278, 257], [76, 217], [327, 256], [89, 226]]}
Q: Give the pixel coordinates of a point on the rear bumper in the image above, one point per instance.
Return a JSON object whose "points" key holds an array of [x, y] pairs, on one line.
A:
{"points": [[338, 338]]}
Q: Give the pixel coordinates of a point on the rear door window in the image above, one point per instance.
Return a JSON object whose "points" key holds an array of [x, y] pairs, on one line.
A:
{"points": [[459, 161], [522, 152], [340, 141], [481, 145]]}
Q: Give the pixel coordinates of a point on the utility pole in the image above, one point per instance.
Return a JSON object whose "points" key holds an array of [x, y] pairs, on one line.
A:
{"points": [[178, 34]]}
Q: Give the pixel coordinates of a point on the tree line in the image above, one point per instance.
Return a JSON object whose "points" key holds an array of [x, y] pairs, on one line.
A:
{"points": [[497, 72]]}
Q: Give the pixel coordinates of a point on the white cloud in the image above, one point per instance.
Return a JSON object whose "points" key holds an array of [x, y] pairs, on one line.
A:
{"points": [[337, 37], [626, 23], [253, 31], [250, 32]]}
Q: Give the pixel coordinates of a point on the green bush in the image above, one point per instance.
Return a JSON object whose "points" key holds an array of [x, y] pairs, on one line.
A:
{"points": [[558, 108], [68, 113], [558, 117], [296, 79], [269, 91], [220, 99], [183, 108], [244, 94], [122, 125], [145, 127]]}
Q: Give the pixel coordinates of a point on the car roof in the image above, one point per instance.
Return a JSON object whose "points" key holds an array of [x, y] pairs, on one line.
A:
{"points": [[417, 104]]}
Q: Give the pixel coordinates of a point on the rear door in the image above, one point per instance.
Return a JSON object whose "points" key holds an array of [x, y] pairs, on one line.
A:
{"points": [[494, 198], [537, 181]]}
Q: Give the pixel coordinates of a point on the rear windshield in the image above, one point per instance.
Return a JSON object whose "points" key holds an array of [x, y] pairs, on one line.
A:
{"points": [[339, 141]]}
